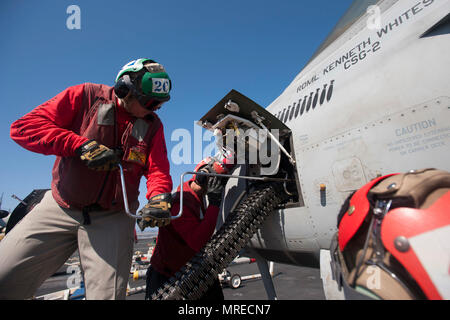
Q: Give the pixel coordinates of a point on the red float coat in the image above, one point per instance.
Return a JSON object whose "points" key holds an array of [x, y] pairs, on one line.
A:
{"points": [[90, 111], [178, 242]]}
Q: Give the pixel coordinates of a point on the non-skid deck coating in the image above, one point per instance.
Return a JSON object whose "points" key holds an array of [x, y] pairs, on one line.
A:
{"points": [[291, 282]]}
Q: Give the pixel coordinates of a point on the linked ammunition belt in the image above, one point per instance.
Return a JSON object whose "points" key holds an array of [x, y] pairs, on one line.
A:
{"points": [[195, 278]]}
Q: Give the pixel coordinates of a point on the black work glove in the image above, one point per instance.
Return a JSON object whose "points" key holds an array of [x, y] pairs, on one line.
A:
{"points": [[200, 179], [207, 181], [97, 156], [214, 187], [156, 213]]}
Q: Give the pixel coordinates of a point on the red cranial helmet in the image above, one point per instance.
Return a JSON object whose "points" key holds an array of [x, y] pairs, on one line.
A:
{"points": [[222, 163], [398, 227]]}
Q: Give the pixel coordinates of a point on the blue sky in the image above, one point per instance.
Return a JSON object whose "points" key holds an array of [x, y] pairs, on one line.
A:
{"points": [[208, 48]]}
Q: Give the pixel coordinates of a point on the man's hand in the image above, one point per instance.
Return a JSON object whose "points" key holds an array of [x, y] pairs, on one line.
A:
{"points": [[156, 213], [97, 156], [213, 185], [215, 188]]}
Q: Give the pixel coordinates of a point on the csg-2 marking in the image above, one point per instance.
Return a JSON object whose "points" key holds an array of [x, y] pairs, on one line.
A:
{"points": [[357, 54]]}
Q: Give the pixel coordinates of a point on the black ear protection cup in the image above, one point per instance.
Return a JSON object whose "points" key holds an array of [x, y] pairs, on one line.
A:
{"points": [[123, 86]]}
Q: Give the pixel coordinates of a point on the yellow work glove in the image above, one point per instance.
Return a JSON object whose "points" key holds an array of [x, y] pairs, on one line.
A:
{"points": [[156, 213], [97, 156]]}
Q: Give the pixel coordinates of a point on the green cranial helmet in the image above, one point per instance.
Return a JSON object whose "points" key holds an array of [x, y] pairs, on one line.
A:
{"points": [[147, 80]]}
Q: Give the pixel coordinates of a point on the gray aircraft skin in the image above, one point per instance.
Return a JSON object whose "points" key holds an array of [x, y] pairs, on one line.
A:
{"points": [[373, 100]]}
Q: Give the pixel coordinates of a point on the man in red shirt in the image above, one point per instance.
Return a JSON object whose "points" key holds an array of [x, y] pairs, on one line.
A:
{"points": [[178, 242], [91, 128]]}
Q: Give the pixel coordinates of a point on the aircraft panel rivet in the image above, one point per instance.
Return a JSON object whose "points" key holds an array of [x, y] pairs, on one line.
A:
{"points": [[351, 210], [401, 243]]}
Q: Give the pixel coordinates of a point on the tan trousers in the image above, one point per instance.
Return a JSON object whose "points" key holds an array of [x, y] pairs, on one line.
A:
{"points": [[47, 236]]}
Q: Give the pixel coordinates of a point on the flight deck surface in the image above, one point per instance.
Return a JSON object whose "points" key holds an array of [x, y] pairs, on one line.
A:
{"points": [[291, 282]]}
